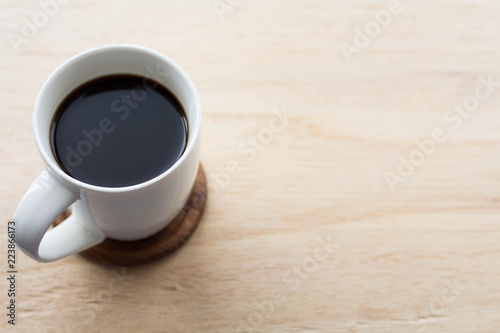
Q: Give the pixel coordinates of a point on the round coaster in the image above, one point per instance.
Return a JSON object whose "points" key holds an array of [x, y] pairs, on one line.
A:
{"points": [[166, 241]]}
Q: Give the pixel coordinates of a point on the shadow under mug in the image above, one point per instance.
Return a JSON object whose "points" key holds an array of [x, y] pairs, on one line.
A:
{"points": [[121, 213]]}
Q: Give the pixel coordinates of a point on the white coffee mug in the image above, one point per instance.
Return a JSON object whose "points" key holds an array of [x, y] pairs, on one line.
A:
{"points": [[121, 213]]}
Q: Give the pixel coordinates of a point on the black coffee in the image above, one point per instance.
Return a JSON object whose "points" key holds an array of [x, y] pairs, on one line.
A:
{"points": [[118, 130]]}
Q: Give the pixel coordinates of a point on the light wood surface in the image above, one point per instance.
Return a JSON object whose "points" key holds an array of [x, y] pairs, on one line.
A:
{"points": [[423, 257]]}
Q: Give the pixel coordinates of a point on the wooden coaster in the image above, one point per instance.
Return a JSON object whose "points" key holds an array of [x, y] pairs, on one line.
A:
{"points": [[166, 241]]}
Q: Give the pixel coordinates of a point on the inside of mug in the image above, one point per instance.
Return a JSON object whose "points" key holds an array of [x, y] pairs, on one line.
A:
{"points": [[114, 59]]}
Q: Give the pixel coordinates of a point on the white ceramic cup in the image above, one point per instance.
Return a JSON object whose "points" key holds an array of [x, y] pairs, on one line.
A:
{"points": [[121, 213]]}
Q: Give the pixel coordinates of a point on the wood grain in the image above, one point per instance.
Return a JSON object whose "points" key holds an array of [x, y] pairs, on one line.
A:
{"points": [[306, 235]]}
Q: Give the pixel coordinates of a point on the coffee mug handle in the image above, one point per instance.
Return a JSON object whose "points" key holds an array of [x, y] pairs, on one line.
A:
{"points": [[45, 200]]}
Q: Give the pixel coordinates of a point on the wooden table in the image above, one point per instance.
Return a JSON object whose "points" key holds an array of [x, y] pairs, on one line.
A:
{"points": [[367, 192]]}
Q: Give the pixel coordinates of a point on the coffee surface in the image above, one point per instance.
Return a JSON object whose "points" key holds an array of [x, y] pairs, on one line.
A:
{"points": [[118, 130]]}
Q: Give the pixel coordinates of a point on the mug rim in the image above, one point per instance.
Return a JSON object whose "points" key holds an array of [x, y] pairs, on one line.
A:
{"points": [[194, 129]]}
